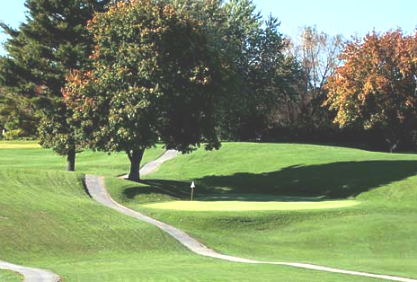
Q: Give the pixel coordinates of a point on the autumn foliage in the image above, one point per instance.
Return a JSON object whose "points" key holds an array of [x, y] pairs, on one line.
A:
{"points": [[376, 85]]}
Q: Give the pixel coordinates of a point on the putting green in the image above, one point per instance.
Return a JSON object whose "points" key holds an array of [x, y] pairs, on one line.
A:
{"points": [[249, 206]]}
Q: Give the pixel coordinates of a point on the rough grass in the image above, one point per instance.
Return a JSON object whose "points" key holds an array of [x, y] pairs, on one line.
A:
{"points": [[9, 276], [48, 221], [377, 235]]}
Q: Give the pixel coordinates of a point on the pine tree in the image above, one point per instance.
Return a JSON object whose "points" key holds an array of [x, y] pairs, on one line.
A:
{"points": [[52, 42]]}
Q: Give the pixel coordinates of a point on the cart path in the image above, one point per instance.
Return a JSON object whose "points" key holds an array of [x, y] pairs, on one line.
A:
{"points": [[153, 165], [97, 190], [31, 274]]}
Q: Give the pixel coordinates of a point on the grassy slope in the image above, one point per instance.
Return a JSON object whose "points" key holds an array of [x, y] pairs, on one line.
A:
{"points": [[47, 221], [9, 276], [377, 235]]}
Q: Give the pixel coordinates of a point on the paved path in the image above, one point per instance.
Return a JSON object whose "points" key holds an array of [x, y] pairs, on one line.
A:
{"points": [[151, 166], [97, 190], [31, 274]]}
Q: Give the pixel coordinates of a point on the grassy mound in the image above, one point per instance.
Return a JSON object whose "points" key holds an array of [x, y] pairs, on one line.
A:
{"points": [[48, 221], [241, 192]]}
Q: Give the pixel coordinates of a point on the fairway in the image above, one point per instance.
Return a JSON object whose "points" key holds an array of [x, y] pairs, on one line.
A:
{"points": [[46, 212], [29, 155], [19, 145], [249, 206]]}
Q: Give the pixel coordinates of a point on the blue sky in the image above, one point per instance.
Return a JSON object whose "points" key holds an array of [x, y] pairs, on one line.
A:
{"points": [[345, 17]]}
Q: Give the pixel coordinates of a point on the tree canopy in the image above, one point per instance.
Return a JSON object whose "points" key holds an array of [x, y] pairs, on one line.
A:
{"points": [[40, 53], [376, 85], [154, 76]]}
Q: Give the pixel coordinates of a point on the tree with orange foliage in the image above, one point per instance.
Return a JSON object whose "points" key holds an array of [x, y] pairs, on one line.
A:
{"points": [[376, 86]]}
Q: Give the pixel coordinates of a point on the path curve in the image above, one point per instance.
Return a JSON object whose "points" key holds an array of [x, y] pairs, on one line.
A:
{"points": [[153, 165], [97, 190], [31, 274]]}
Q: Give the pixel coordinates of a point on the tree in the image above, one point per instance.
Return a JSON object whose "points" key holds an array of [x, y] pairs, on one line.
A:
{"points": [[376, 86], [254, 49], [40, 53], [318, 55], [16, 120], [265, 75], [154, 76]]}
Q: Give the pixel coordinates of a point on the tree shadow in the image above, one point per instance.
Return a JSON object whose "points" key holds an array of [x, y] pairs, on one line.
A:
{"points": [[339, 180]]}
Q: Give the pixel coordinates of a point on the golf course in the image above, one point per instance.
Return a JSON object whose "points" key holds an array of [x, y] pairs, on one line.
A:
{"points": [[330, 206]]}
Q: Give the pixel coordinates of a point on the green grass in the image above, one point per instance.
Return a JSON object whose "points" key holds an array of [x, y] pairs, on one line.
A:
{"points": [[9, 276], [86, 162], [48, 221], [235, 186], [239, 206], [19, 145]]}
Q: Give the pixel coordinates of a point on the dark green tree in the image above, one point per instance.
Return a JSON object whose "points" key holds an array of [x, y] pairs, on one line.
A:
{"points": [[155, 75], [16, 120], [253, 48], [44, 49]]}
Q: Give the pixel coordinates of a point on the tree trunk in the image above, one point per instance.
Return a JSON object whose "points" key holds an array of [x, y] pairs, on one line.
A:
{"points": [[71, 159], [135, 158]]}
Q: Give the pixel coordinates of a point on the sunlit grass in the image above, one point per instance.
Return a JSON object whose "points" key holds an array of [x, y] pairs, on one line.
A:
{"points": [[249, 206], [19, 145], [271, 202], [48, 221]]}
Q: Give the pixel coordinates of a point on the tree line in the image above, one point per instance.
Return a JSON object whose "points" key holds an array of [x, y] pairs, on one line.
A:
{"points": [[121, 76]]}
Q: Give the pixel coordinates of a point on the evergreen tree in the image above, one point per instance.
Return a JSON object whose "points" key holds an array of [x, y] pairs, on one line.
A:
{"points": [[52, 42]]}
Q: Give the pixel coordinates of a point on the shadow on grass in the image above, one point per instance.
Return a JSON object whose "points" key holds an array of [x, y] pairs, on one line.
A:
{"points": [[173, 189], [339, 180], [327, 181]]}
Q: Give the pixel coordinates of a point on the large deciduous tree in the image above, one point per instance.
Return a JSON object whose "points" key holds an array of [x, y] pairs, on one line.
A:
{"points": [[318, 53], [318, 56], [264, 73], [154, 75], [40, 53], [376, 87]]}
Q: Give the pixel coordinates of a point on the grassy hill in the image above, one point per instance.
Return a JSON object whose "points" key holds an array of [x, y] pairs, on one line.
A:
{"points": [[326, 205], [48, 221]]}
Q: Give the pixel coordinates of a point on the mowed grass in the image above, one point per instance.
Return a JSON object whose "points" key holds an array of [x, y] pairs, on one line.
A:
{"points": [[48, 221], [9, 276], [236, 206], [19, 145], [30, 155], [270, 202]]}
